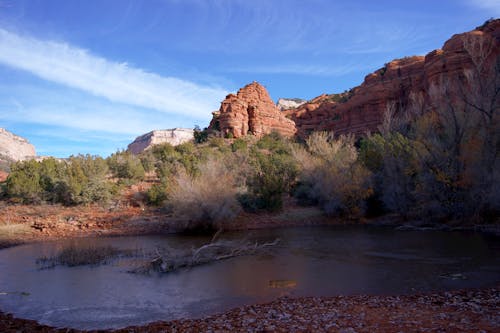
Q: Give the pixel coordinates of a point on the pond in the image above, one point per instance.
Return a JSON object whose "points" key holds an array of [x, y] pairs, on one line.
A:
{"points": [[320, 261]]}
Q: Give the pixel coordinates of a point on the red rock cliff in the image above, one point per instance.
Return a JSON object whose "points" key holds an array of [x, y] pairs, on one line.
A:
{"points": [[407, 82], [251, 111]]}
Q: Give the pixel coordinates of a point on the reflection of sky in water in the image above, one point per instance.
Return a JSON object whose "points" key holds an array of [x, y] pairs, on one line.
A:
{"points": [[307, 262]]}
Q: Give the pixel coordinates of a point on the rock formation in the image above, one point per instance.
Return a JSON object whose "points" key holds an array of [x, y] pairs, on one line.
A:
{"points": [[15, 148], [174, 136], [250, 111], [407, 83], [289, 103]]}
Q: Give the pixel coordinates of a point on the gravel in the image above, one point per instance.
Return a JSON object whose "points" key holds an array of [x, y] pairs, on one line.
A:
{"points": [[473, 310]]}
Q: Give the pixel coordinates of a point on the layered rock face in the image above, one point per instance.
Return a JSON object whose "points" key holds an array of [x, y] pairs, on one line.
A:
{"points": [[15, 148], [289, 103], [251, 111], [468, 62], [174, 136]]}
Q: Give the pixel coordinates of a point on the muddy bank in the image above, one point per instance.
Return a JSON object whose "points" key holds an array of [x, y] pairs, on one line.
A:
{"points": [[31, 223], [456, 311]]}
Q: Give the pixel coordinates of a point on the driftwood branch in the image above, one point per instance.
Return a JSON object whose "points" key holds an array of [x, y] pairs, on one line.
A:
{"points": [[165, 261]]}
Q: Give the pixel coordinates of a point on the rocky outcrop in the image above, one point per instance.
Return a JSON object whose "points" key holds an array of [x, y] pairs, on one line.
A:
{"points": [[15, 148], [174, 136], [250, 111], [407, 83], [289, 103]]}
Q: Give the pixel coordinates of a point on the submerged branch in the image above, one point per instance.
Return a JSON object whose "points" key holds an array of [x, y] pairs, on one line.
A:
{"points": [[214, 251]]}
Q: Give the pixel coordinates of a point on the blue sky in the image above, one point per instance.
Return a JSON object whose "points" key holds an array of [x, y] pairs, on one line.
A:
{"points": [[89, 76]]}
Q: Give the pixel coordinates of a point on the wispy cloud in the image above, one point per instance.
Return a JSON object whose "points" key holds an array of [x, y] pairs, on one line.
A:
{"points": [[300, 69], [91, 115], [491, 5], [118, 82]]}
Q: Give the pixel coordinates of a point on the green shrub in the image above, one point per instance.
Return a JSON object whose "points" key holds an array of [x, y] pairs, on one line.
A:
{"points": [[238, 144], [274, 142], [216, 142], [126, 166], [272, 177], [23, 183], [157, 194], [200, 136], [79, 180]]}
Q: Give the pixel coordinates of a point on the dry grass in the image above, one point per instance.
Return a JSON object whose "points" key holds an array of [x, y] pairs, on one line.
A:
{"points": [[208, 200], [75, 256]]}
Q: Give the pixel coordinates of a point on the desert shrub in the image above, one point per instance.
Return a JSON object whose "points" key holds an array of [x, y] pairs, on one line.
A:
{"points": [[238, 144], [200, 136], [156, 195], [79, 180], [188, 158], [216, 142], [392, 158], [205, 201], [126, 166], [459, 163], [272, 176], [23, 183], [331, 175], [186, 148], [84, 181], [274, 142], [147, 160], [169, 160], [164, 152]]}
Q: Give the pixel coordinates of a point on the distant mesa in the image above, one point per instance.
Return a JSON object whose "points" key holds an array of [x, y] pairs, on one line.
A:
{"points": [[250, 111], [289, 103], [14, 147], [175, 136]]}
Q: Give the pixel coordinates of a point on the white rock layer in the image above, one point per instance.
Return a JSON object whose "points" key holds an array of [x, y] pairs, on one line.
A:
{"points": [[174, 136], [15, 147], [289, 103]]}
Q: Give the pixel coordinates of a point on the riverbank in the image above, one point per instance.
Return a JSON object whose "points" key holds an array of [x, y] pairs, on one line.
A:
{"points": [[455, 311], [21, 224]]}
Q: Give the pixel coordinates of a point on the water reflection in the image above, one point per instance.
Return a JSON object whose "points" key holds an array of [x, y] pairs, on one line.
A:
{"points": [[307, 262]]}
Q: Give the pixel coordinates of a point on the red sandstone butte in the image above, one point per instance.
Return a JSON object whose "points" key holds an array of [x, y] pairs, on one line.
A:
{"points": [[407, 83], [465, 70], [251, 111]]}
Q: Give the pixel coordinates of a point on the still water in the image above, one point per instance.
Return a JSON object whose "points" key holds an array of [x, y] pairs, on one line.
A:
{"points": [[320, 261]]}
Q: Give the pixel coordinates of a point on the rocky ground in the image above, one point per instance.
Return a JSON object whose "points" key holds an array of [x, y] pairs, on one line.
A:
{"points": [[456, 311]]}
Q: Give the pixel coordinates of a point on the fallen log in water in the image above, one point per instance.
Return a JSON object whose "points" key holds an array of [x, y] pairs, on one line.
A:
{"points": [[168, 260]]}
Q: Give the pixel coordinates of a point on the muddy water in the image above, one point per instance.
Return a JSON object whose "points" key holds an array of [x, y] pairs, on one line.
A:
{"points": [[307, 262]]}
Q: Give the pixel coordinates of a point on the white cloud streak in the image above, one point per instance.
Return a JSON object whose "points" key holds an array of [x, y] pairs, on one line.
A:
{"points": [[118, 82], [99, 118], [297, 69], [491, 5]]}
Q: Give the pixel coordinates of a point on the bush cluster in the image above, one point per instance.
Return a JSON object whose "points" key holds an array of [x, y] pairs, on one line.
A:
{"points": [[79, 180]]}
